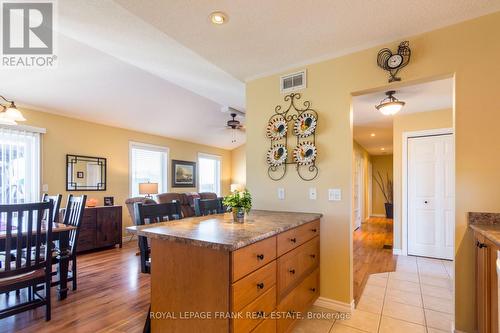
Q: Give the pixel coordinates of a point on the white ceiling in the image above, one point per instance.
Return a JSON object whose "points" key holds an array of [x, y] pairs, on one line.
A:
{"points": [[265, 36], [429, 96], [161, 67]]}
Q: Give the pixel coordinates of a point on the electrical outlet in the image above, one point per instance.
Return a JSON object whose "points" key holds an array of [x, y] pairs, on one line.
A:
{"points": [[312, 193], [281, 193], [45, 187], [334, 194]]}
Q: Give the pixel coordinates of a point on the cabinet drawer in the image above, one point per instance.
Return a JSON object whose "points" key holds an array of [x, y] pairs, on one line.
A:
{"points": [[290, 239], [267, 326], [309, 289], [298, 301], [254, 312], [293, 266], [253, 285], [252, 257]]}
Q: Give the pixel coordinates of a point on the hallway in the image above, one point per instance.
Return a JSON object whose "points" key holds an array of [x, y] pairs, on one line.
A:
{"points": [[370, 257]]}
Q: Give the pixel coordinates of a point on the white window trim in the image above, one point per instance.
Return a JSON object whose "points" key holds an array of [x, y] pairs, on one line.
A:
{"points": [[26, 128], [136, 144], [211, 156]]}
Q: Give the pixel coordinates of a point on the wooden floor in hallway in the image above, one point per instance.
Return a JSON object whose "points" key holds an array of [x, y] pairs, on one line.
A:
{"points": [[369, 254]]}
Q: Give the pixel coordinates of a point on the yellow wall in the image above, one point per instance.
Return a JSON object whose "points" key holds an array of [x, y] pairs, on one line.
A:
{"points": [[382, 164], [239, 165], [71, 136], [330, 85], [358, 149], [407, 123]]}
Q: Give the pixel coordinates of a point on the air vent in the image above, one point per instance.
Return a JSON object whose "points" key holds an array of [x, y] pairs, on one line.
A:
{"points": [[293, 81]]}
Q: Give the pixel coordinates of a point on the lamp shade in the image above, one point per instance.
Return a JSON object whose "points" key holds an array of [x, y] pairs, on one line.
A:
{"points": [[148, 188], [13, 113], [236, 187]]}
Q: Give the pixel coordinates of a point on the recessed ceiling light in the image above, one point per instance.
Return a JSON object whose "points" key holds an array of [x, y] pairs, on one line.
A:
{"points": [[372, 135], [218, 18], [382, 149]]}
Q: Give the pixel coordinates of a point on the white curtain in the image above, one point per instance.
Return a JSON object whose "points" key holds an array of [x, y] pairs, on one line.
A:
{"points": [[19, 166]]}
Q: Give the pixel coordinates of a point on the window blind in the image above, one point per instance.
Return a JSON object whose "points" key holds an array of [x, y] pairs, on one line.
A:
{"points": [[19, 166]]}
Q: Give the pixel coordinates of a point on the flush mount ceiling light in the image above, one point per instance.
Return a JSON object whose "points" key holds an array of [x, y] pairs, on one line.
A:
{"points": [[218, 18], [372, 135], [390, 105], [9, 114]]}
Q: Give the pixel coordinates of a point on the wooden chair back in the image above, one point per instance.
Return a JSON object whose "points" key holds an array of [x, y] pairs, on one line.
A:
{"points": [[25, 234], [57, 204], [73, 215], [207, 207]]}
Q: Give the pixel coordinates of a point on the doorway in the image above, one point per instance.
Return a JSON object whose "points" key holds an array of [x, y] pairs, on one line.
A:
{"points": [[429, 195]]}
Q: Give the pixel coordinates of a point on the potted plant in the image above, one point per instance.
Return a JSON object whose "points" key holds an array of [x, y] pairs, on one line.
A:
{"points": [[240, 203], [386, 187]]}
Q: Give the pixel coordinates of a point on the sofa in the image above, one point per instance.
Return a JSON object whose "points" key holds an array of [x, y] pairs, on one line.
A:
{"points": [[186, 200]]}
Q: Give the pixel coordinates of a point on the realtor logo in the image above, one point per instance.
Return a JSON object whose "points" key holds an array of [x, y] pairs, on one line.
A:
{"points": [[28, 34]]}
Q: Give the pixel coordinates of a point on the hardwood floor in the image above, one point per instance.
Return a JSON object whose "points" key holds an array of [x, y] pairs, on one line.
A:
{"points": [[369, 253], [112, 296]]}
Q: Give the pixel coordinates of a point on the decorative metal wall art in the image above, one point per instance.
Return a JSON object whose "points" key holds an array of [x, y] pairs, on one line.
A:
{"points": [[394, 62], [303, 120]]}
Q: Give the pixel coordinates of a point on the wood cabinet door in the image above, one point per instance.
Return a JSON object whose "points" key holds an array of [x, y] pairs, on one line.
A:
{"points": [[87, 235], [108, 226], [482, 282], [492, 285]]}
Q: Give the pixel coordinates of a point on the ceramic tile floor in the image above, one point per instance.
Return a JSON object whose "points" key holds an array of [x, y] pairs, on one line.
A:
{"points": [[416, 298]]}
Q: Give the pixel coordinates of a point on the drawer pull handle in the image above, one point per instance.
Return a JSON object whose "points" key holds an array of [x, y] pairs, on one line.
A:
{"points": [[260, 257], [293, 240], [260, 285], [314, 230], [312, 289], [313, 256], [481, 245], [292, 271]]}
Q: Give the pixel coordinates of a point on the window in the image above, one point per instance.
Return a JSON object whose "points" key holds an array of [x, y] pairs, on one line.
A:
{"points": [[209, 171], [148, 163], [19, 166]]}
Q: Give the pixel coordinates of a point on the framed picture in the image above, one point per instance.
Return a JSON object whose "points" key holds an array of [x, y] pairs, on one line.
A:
{"points": [[183, 174], [109, 201]]}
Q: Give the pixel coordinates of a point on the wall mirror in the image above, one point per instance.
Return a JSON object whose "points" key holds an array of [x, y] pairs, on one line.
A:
{"points": [[85, 173]]}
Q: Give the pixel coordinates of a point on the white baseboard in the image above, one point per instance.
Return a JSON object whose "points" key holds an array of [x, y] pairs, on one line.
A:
{"points": [[377, 215], [331, 304], [398, 252]]}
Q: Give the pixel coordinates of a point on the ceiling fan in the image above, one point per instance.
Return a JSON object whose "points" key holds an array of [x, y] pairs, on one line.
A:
{"points": [[235, 124]]}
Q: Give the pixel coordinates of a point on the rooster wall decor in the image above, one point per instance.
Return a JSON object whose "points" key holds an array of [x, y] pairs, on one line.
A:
{"points": [[394, 62]]}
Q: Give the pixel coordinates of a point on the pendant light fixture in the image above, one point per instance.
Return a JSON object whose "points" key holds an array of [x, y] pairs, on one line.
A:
{"points": [[390, 105], [9, 114]]}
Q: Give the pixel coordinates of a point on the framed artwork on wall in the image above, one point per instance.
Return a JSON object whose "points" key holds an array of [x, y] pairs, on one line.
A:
{"points": [[183, 173]]}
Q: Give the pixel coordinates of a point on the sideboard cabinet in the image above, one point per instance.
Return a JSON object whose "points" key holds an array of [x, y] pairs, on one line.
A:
{"points": [[101, 227]]}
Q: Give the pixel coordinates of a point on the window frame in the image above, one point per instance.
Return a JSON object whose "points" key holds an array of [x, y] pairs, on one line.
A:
{"points": [[151, 147], [212, 157], [38, 132]]}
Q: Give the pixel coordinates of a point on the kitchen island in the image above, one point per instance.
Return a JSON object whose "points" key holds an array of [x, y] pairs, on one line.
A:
{"points": [[209, 274]]}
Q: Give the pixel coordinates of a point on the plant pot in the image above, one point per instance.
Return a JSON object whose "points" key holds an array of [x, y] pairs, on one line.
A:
{"points": [[389, 210], [238, 215]]}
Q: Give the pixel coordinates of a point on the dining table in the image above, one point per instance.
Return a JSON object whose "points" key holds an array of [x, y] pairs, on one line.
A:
{"points": [[60, 233]]}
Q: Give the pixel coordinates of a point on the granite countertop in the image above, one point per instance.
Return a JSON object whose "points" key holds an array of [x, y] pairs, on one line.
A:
{"points": [[487, 224], [221, 233]]}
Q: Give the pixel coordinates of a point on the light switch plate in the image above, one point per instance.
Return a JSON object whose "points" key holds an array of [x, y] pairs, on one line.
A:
{"points": [[334, 194], [281, 193], [45, 187], [312, 193]]}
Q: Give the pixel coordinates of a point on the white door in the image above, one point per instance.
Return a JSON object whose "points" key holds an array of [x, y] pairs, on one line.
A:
{"points": [[358, 191], [431, 196]]}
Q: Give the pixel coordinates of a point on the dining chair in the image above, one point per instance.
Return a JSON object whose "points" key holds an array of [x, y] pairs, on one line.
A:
{"points": [[57, 204], [207, 207], [25, 261], [149, 214], [73, 216]]}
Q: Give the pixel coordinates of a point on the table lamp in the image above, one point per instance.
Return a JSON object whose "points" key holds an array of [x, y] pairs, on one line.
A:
{"points": [[148, 189]]}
